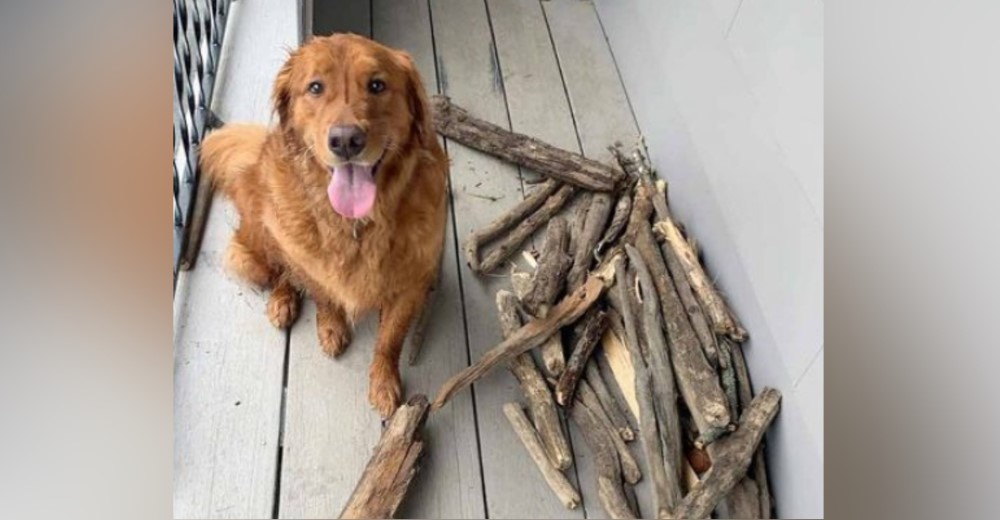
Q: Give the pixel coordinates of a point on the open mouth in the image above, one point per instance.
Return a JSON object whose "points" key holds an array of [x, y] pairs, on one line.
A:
{"points": [[352, 188]]}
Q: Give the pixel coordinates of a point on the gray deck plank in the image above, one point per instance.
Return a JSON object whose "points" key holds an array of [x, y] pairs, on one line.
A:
{"points": [[602, 114], [329, 429], [228, 359], [450, 483], [538, 106], [470, 74], [330, 16]]}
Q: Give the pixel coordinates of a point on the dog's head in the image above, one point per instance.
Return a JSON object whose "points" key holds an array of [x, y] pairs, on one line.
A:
{"points": [[352, 104]]}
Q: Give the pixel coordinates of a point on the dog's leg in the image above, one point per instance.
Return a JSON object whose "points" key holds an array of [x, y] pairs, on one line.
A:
{"points": [[333, 328], [283, 304], [246, 264], [384, 385]]}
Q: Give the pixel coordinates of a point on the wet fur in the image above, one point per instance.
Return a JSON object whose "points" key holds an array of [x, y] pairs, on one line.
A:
{"points": [[290, 239]]}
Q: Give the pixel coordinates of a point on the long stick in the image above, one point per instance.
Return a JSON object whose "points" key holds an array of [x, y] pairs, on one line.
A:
{"points": [[556, 480], [666, 487], [458, 125], [759, 464], [540, 402], [659, 365], [531, 335], [392, 466], [696, 379], [731, 456]]}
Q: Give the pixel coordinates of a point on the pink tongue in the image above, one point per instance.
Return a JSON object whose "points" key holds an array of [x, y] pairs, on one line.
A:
{"points": [[352, 190]]}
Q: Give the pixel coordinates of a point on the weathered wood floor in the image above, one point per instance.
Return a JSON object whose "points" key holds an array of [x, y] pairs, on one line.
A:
{"points": [[266, 426]]}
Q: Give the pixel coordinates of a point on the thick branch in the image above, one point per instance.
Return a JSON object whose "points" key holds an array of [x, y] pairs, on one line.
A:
{"points": [[392, 466], [731, 456], [540, 402], [666, 486], [546, 285], [586, 243], [659, 365], [556, 480], [531, 335], [458, 125], [696, 379]]}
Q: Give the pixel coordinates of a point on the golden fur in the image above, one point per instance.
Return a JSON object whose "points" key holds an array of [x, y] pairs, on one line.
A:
{"points": [[290, 238]]}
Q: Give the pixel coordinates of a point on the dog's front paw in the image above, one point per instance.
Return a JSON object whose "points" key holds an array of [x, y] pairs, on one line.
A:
{"points": [[384, 388], [333, 330], [334, 339], [283, 307]]}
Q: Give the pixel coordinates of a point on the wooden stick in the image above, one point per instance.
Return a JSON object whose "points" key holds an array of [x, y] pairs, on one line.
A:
{"points": [[506, 221], [759, 464], [196, 224], [390, 470], [629, 467], [531, 335], [731, 456], [666, 486], [586, 243], [556, 480], [697, 381], [609, 475], [727, 376], [507, 246], [609, 403], [458, 125], [623, 208], [659, 365], [536, 392], [546, 285], [688, 299], [589, 337], [713, 304]]}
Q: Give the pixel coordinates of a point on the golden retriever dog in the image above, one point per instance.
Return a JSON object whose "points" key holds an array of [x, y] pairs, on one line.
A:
{"points": [[344, 199]]}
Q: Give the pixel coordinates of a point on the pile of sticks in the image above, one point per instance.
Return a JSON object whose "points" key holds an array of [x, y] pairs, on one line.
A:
{"points": [[633, 340]]}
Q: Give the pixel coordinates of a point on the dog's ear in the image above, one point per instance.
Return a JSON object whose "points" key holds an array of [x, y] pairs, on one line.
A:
{"points": [[281, 96], [416, 97]]}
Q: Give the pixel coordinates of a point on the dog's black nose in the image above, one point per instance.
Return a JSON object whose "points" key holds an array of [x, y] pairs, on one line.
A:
{"points": [[347, 141]]}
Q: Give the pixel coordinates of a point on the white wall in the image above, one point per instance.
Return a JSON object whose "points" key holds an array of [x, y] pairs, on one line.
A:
{"points": [[729, 94]]}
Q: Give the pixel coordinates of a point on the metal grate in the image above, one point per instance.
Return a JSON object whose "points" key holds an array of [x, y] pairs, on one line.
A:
{"points": [[198, 30]]}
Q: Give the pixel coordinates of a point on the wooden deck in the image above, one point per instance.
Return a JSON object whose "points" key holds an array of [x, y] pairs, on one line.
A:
{"points": [[266, 426]]}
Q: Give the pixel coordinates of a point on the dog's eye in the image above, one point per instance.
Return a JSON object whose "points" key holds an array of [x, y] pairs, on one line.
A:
{"points": [[375, 86], [315, 88]]}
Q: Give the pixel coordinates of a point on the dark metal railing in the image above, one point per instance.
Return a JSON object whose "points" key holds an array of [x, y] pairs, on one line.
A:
{"points": [[199, 26]]}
